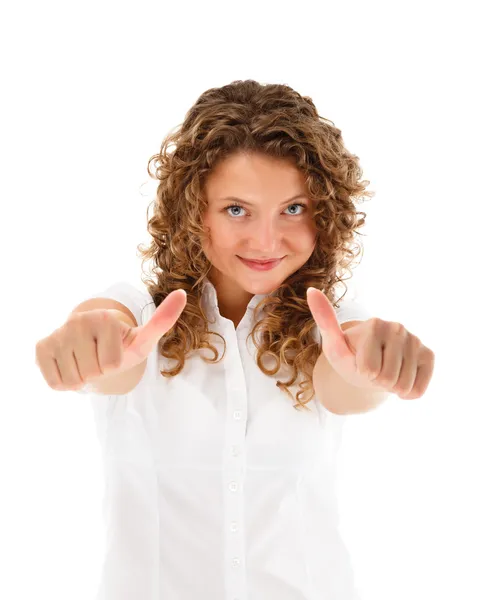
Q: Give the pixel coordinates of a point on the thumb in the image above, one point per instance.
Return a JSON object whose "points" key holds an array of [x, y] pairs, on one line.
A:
{"points": [[333, 339], [165, 316]]}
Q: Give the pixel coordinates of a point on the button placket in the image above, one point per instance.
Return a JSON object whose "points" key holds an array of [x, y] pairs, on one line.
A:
{"points": [[233, 468]]}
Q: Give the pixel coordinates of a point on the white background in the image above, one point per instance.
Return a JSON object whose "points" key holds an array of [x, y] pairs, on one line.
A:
{"points": [[89, 91]]}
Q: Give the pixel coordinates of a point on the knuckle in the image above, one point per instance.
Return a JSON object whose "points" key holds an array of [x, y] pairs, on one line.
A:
{"points": [[397, 328], [56, 343], [376, 323], [417, 344], [70, 327], [414, 340], [74, 318]]}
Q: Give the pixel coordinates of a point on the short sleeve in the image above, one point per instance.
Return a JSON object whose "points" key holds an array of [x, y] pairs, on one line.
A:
{"points": [[352, 310], [129, 295], [348, 310], [133, 298], [105, 406]]}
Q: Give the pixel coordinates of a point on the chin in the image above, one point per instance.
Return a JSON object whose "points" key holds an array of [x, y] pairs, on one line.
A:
{"points": [[263, 287]]}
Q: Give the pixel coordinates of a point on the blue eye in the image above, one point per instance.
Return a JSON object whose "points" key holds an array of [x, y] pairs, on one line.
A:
{"points": [[242, 207]]}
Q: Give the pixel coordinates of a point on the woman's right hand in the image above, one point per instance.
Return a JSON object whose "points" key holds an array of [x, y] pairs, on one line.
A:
{"points": [[96, 343]]}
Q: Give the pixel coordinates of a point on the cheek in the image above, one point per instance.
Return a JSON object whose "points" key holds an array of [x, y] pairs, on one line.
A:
{"points": [[304, 238], [221, 237]]}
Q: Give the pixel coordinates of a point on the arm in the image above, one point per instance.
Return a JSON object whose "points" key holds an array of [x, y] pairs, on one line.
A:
{"points": [[338, 396]]}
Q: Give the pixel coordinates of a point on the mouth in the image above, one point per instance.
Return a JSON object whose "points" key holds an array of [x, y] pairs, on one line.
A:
{"points": [[261, 262], [260, 265]]}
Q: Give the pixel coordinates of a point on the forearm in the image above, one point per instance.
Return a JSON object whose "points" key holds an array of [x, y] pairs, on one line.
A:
{"points": [[340, 397]]}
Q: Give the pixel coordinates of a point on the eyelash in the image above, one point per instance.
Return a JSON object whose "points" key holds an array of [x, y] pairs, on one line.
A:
{"points": [[239, 206]]}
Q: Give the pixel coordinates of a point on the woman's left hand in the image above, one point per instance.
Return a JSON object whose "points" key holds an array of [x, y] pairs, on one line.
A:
{"points": [[374, 354]]}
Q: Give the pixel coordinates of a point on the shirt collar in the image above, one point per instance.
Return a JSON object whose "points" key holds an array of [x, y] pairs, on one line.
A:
{"points": [[210, 298]]}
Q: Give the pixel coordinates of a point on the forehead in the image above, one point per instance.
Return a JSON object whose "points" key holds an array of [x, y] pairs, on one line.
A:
{"points": [[243, 174]]}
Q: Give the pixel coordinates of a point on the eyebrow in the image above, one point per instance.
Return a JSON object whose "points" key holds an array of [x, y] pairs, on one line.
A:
{"points": [[235, 199]]}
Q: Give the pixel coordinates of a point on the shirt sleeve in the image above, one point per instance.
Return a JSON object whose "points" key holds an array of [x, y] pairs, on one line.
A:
{"points": [[352, 310], [105, 406], [349, 310]]}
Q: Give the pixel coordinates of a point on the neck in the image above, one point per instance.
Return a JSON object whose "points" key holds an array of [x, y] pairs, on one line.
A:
{"points": [[232, 299]]}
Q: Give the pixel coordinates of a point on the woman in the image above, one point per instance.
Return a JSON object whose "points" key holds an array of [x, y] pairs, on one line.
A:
{"points": [[221, 462]]}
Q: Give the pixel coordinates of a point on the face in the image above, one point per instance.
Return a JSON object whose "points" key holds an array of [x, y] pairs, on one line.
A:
{"points": [[264, 223]]}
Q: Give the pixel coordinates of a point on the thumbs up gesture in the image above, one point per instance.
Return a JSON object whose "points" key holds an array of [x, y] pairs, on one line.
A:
{"points": [[144, 338], [95, 343], [374, 354]]}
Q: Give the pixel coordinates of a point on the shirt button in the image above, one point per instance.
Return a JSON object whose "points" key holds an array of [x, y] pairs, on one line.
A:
{"points": [[235, 562], [235, 450], [234, 527], [233, 486], [237, 414]]}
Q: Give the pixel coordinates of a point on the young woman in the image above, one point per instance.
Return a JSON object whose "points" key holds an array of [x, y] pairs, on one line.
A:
{"points": [[221, 420]]}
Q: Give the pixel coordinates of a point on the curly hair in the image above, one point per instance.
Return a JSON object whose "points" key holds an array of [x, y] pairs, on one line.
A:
{"points": [[249, 117]]}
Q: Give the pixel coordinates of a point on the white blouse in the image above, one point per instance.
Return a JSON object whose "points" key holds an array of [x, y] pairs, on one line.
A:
{"points": [[216, 488]]}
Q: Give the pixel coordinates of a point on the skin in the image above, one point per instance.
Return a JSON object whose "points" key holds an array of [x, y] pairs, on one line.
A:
{"points": [[267, 229]]}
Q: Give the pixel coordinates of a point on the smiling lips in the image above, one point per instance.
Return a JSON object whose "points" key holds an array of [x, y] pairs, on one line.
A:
{"points": [[261, 265], [261, 261]]}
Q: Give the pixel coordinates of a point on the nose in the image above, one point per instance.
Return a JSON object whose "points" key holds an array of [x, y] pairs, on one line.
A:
{"points": [[265, 238]]}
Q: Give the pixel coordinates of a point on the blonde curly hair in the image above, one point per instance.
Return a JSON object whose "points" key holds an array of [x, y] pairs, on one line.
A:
{"points": [[249, 117]]}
